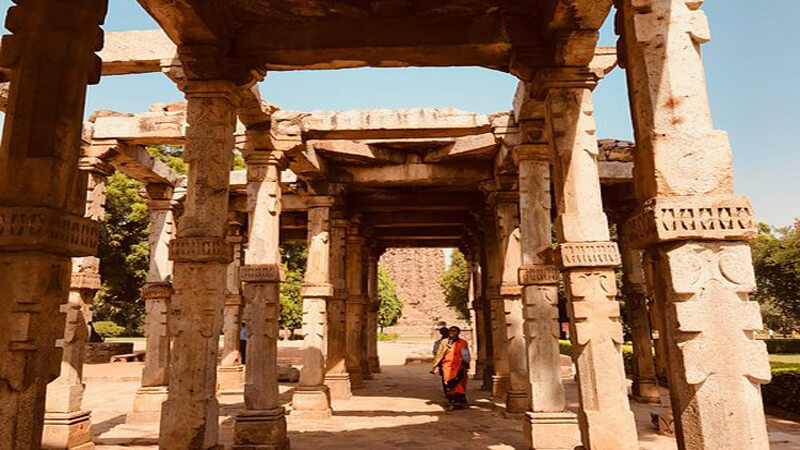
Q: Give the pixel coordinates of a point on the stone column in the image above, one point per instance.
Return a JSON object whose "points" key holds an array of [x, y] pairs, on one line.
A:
{"points": [[312, 397], [497, 313], [695, 230], [230, 373], [656, 323], [156, 292], [478, 349], [548, 424], [49, 60], [336, 376], [587, 258], [507, 209], [262, 424], [356, 303], [645, 387], [486, 311], [66, 424], [372, 311], [200, 255]]}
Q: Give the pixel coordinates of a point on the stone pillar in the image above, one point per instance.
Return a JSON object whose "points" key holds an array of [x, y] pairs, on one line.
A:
{"points": [[507, 209], [336, 376], [486, 311], [657, 324], [548, 424], [373, 360], [587, 259], [49, 60], [66, 424], [645, 387], [356, 303], [695, 230], [476, 318], [156, 292], [230, 373], [200, 255], [263, 423], [497, 313], [312, 397]]}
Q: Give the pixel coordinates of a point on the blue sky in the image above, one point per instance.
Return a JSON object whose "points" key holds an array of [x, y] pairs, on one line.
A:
{"points": [[753, 64]]}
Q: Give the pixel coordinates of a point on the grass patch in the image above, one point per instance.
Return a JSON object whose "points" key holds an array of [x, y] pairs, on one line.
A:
{"points": [[785, 362], [388, 337]]}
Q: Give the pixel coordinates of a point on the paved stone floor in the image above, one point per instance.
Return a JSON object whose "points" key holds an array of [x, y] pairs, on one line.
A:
{"points": [[400, 408]]}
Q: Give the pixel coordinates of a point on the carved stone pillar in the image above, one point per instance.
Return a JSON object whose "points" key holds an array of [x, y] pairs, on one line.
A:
{"points": [[695, 230], [645, 387], [230, 373], [262, 424], [507, 209], [488, 326], [49, 60], [312, 397], [336, 376], [657, 324], [497, 313], [587, 258], [372, 311], [476, 318], [356, 303], [200, 255], [548, 424], [156, 292]]}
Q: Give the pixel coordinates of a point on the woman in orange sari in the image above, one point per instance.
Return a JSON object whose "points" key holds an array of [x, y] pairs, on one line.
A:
{"points": [[452, 362]]}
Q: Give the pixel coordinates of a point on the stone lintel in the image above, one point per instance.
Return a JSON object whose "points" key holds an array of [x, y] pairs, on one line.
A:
{"points": [[538, 274], [706, 217], [587, 254], [24, 228], [260, 273], [316, 290], [156, 290], [200, 249]]}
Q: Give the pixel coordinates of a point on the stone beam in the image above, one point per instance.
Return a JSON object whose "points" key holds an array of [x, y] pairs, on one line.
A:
{"points": [[150, 128], [142, 51], [190, 21], [613, 172], [132, 160], [401, 243], [424, 201], [423, 218], [432, 40], [420, 233], [356, 151], [419, 174], [481, 145]]}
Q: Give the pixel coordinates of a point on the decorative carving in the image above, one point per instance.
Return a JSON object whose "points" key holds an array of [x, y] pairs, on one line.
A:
{"points": [[38, 228], [715, 217], [260, 273], [84, 280], [595, 310], [537, 274], [588, 254], [157, 290], [200, 249]]}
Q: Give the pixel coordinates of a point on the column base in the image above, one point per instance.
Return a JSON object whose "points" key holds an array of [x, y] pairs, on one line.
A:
{"points": [[365, 372], [552, 430], [147, 404], [313, 402], [230, 379], [664, 422], [645, 391], [517, 402], [339, 385], [355, 376], [71, 431], [261, 430], [374, 365], [478, 369], [499, 387]]}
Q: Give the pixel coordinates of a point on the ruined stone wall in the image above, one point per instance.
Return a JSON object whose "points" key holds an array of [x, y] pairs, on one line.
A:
{"points": [[417, 273]]}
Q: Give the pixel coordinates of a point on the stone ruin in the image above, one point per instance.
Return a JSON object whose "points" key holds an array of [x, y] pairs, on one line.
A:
{"points": [[353, 184]]}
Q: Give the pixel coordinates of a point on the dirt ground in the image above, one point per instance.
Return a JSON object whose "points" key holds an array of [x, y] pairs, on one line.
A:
{"points": [[400, 408]]}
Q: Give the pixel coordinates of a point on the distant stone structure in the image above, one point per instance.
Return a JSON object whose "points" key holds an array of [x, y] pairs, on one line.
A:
{"points": [[417, 274]]}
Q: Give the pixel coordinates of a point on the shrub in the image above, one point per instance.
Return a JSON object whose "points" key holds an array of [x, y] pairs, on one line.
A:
{"points": [[783, 345], [388, 336], [108, 329], [784, 390]]}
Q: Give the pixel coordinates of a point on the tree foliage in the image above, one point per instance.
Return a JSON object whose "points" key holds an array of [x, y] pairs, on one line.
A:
{"points": [[455, 285], [169, 155], [390, 306], [776, 257], [293, 260], [124, 254]]}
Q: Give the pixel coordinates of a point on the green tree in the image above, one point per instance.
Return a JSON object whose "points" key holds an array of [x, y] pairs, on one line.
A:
{"points": [[293, 261], [776, 258], [390, 306], [169, 155], [455, 285], [124, 254]]}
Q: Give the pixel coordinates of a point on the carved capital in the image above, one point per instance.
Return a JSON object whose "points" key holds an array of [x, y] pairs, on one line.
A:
{"points": [[563, 78], [533, 152], [316, 290], [711, 217], [157, 290], [261, 273], [95, 165], [47, 229], [320, 201], [587, 254], [538, 274], [200, 249]]}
